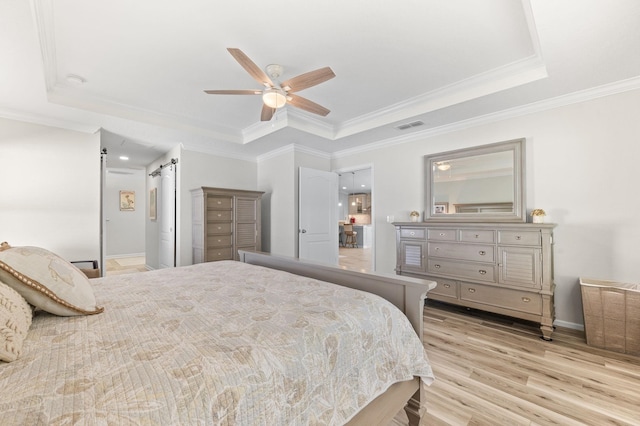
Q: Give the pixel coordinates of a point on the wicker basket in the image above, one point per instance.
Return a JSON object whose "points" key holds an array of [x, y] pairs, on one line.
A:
{"points": [[611, 315]]}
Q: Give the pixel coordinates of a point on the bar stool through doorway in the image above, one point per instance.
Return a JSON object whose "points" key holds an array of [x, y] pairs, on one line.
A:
{"points": [[351, 236]]}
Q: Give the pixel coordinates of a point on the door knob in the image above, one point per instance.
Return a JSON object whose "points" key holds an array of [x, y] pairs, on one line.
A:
{"points": [[304, 231]]}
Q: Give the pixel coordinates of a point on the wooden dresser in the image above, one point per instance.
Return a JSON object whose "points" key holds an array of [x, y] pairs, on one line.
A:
{"points": [[223, 222], [497, 267]]}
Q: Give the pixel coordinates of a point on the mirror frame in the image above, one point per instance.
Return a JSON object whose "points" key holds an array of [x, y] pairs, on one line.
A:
{"points": [[519, 214]]}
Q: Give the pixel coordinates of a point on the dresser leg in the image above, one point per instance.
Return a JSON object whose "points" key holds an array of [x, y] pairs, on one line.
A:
{"points": [[546, 332]]}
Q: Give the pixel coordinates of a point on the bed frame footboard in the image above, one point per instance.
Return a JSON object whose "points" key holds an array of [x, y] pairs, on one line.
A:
{"points": [[407, 294]]}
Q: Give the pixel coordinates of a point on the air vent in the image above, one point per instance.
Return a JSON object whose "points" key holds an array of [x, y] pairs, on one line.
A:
{"points": [[409, 125]]}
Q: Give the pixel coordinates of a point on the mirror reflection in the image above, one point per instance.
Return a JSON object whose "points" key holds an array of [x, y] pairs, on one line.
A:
{"points": [[483, 183], [476, 184]]}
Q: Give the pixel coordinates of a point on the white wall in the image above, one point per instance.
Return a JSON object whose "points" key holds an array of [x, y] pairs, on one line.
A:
{"points": [[50, 189], [125, 230], [194, 169], [197, 170], [279, 211], [581, 169], [278, 178]]}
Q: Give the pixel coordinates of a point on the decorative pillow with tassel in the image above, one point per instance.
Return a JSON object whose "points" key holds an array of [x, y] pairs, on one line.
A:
{"points": [[47, 281]]}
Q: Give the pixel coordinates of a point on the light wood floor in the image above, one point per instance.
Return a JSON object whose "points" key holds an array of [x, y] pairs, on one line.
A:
{"points": [[358, 259], [125, 265], [493, 371]]}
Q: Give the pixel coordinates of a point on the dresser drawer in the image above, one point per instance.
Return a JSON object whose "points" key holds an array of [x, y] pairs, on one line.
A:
{"points": [[222, 203], [504, 298], [219, 228], [416, 233], [220, 254], [444, 287], [474, 271], [477, 236], [520, 238], [475, 252], [441, 234], [215, 241], [219, 215]]}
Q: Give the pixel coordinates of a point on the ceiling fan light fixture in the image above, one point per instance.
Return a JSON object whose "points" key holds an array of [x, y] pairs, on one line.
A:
{"points": [[274, 97]]}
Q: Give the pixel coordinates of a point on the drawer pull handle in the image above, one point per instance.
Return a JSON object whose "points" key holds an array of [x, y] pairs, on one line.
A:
{"points": [[477, 236], [412, 233], [482, 271], [472, 290], [219, 227], [518, 237], [442, 234], [436, 266], [447, 285], [526, 300], [219, 214], [482, 252], [219, 202]]}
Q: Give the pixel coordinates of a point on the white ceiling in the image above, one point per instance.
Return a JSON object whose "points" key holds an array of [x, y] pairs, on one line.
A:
{"points": [[448, 63]]}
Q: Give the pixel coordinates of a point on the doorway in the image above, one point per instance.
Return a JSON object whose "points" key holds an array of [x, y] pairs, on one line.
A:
{"points": [[355, 207]]}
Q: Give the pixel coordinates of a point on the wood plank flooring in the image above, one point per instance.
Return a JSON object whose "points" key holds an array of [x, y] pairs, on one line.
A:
{"points": [[491, 370], [125, 265]]}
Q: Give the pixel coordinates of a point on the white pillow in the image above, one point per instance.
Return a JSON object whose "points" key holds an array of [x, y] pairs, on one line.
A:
{"points": [[15, 320], [47, 281]]}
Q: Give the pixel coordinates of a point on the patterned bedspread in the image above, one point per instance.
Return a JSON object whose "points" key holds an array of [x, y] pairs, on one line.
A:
{"points": [[217, 343]]}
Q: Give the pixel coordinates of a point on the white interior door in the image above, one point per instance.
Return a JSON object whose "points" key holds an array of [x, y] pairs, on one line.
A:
{"points": [[318, 216], [167, 216]]}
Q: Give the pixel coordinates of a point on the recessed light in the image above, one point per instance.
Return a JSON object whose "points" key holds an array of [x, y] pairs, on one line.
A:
{"points": [[362, 186], [124, 157], [344, 187]]}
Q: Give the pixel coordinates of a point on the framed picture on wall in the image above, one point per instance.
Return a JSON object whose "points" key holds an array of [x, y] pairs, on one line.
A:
{"points": [[127, 201], [153, 197]]}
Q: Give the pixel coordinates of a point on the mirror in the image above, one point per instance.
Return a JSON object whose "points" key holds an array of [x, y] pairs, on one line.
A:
{"points": [[480, 184]]}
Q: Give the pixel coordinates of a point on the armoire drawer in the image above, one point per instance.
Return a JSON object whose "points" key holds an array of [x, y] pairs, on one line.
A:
{"points": [[215, 241], [444, 287], [222, 203], [475, 252], [225, 253], [219, 215], [219, 228], [501, 297], [469, 270], [520, 238]]}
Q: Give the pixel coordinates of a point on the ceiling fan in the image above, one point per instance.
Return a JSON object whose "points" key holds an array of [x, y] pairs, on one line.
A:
{"points": [[276, 95]]}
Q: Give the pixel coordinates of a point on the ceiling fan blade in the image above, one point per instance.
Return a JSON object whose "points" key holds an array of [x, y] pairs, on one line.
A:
{"points": [[307, 105], [267, 113], [308, 79], [255, 71], [233, 92]]}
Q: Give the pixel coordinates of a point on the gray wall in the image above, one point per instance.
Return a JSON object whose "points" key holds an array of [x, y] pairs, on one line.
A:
{"points": [[125, 230], [581, 169]]}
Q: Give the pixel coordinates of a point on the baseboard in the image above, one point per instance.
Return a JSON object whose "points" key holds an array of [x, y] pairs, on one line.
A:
{"points": [[567, 324], [122, 256]]}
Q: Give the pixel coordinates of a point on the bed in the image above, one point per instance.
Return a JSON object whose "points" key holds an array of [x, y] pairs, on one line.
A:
{"points": [[268, 340]]}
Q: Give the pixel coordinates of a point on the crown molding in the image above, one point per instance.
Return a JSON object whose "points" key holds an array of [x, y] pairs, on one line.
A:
{"points": [[43, 120], [293, 148], [512, 75], [42, 11], [547, 104]]}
